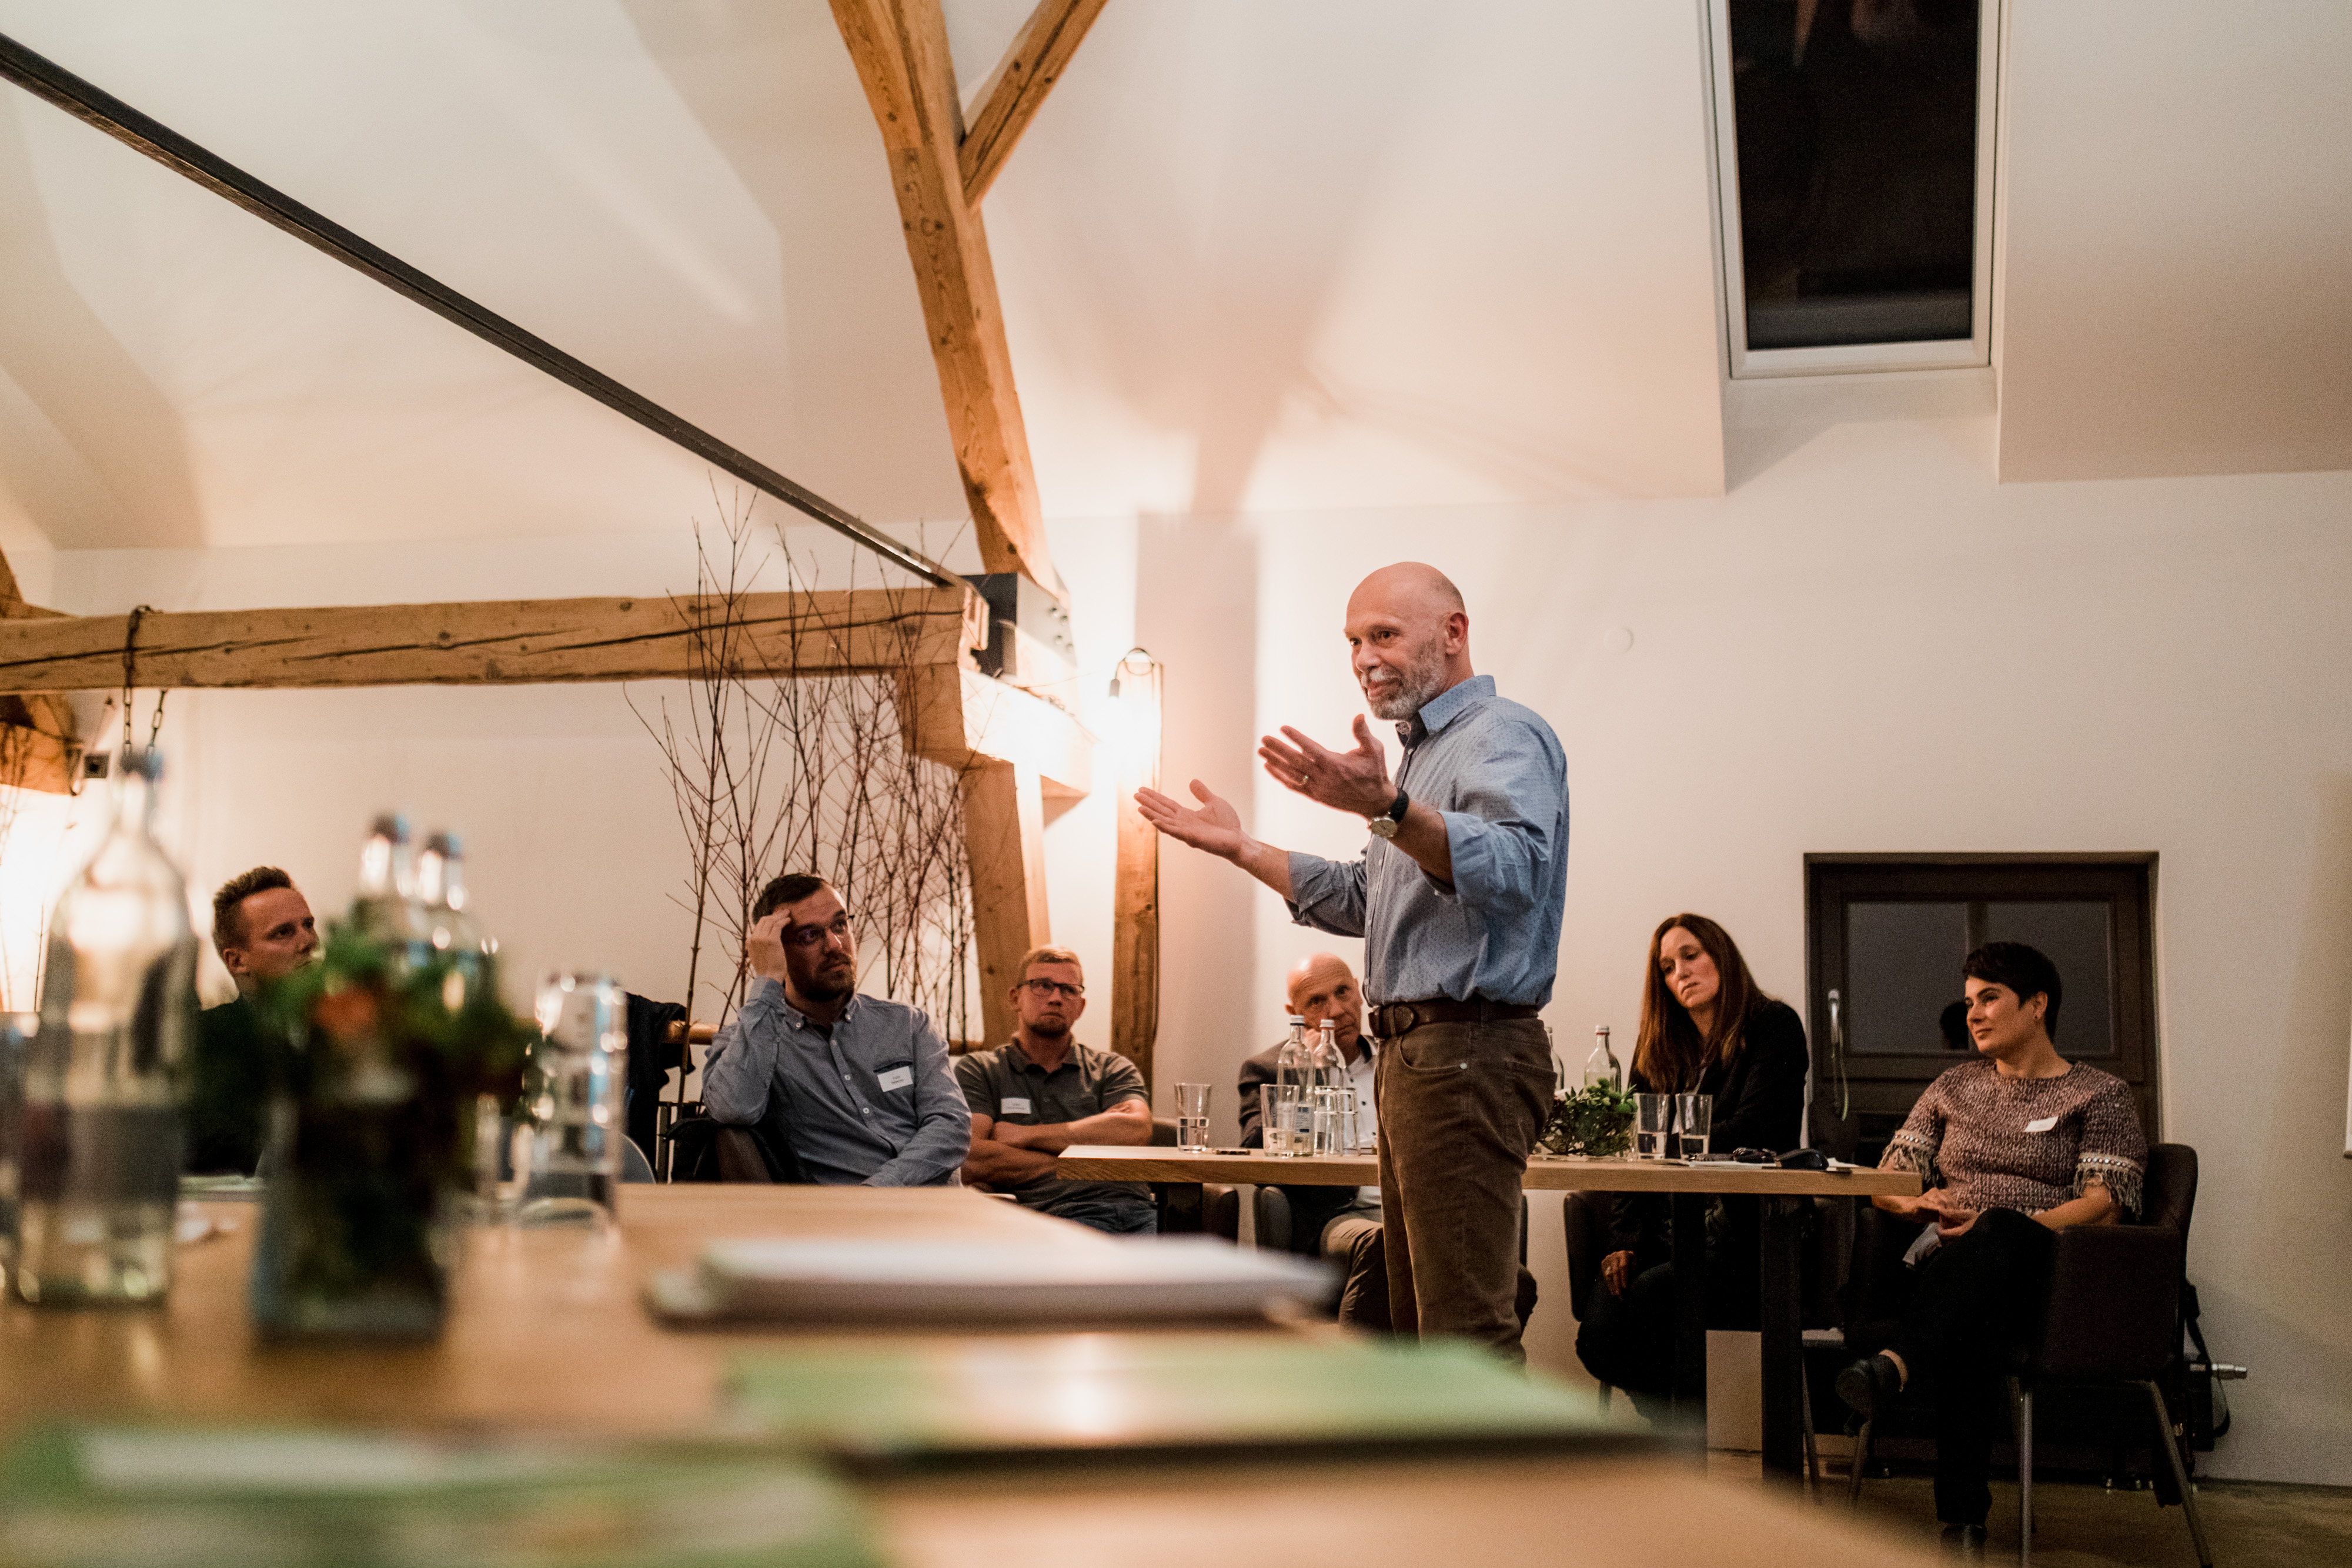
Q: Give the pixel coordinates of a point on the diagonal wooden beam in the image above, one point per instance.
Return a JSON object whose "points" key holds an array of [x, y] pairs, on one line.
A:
{"points": [[525, 642], [1010, 98], [900, 50]]}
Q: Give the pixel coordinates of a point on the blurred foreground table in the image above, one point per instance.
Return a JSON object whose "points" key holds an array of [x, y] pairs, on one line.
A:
{"points": [[547, 1336], [1782, 1195]]}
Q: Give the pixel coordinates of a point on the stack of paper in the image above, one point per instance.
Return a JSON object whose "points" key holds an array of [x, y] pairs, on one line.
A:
{"points": [[244, 1498], [1222, 1393], [857, 1281]]}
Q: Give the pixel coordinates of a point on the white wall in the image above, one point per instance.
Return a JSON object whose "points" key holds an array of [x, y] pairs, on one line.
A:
{"points": [[1874, 647]]}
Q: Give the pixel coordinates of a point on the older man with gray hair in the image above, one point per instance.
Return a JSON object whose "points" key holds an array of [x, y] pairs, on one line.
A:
{"points": [[1458, 898]]}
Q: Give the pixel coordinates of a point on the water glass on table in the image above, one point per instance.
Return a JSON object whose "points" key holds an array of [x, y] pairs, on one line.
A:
{"points": [[1653, 1122], [1192, 1118], [1278, 1116], [1334, 1119], [1694, 1115]]}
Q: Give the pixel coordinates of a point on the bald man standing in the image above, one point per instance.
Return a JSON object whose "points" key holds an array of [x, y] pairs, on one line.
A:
{"points": [[1458, 898]]}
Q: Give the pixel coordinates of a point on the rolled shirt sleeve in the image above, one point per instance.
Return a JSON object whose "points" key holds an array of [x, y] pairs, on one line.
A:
{"points": [[1327, 895], [740, 1069], [942, 1138]]}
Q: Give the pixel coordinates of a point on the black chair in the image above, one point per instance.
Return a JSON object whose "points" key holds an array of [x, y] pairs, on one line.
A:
{"points": [[2113, 1321]]}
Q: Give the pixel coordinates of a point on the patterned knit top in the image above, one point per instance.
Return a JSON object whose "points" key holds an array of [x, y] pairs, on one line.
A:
{"points": [[2027, 1144]]}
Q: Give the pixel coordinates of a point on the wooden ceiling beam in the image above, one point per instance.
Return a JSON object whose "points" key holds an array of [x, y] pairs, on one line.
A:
{"points": [[500, 643], [1010, 98], [900, 50]]}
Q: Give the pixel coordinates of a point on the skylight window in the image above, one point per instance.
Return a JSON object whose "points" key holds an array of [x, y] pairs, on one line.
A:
{"points": [[1853, 143]]}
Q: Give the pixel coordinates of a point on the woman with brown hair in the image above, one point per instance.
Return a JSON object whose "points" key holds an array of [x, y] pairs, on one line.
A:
{"points": [[1706, 1029]]}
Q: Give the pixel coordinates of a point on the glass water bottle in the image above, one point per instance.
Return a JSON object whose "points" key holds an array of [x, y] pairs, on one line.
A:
{"points": [[1280, 1119], [1602, 1066], [1329, 1118], [99, 1149]]}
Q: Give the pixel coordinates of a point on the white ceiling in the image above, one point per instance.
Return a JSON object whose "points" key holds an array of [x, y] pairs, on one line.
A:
{"points": [[1253, 257]]}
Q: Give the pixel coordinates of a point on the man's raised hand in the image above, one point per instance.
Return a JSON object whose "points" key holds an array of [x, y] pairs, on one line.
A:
{"points": [[764, 945], [1215, 827], [1353, 780]]}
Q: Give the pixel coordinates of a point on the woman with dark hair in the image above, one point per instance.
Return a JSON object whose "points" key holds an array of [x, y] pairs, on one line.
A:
{"points": [[2012, 1148], [1706, 1029]]}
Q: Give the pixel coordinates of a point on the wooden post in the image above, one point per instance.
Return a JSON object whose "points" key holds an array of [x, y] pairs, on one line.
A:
{"points": [[1134, 895], [1005, 833]]}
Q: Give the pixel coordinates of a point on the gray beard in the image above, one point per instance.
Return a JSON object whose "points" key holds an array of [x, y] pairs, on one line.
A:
{"points": [[1420, 682]]}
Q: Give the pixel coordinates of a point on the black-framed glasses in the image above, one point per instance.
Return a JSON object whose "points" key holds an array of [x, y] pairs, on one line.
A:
{"points": [[814, 935], [1045, 987]]}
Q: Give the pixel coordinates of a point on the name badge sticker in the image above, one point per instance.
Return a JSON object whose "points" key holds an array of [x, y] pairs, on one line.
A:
{"points": [[2042, 1125], [896, 1078], [1014, 1106]]}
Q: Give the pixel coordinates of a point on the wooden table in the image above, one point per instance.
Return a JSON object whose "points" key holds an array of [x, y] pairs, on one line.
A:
{"points": [[548, 1337], [547, 1334], [1782, 1192]]}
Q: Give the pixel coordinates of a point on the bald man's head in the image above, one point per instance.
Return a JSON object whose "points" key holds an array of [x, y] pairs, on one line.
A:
{"points": [[1321, 986], [1410, 635]]}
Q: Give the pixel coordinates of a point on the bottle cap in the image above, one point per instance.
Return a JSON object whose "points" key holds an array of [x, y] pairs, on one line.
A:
{"points": [[448, 846], [1298, 1020], [390, 825]]}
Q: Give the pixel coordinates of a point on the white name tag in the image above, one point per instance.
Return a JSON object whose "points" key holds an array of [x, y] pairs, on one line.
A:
{"points": [[896, 1078], [2044, 1126], [1013, 1105]]}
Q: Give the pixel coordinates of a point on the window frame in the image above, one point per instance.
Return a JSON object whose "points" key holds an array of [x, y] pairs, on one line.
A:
{"points": [[1887, 1084], [1843, 359]]}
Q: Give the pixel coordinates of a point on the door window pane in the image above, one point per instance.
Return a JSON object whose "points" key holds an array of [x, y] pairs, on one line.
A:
{"points": [[1902, 970], [1856, 127], [2074, 937]]}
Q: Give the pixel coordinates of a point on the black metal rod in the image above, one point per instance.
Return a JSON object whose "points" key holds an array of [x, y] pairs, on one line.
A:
{"points": [[47, 79]]}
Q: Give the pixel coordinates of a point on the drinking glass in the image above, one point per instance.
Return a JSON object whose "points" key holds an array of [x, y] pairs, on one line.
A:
{"points": [[1278, 1115], [583, 1053], [1192, 1118], [1653, 1120], [1335, 1119], [1693, 1114]]}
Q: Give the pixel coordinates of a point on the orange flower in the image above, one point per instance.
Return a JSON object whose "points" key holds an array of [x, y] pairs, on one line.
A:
{"points": [[347, 1013]]}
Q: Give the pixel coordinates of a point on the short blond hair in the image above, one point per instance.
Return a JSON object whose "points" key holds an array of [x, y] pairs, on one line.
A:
{"points": [[1048, 956]]}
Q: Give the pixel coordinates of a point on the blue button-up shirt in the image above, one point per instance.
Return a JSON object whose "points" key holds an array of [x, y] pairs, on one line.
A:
{"points": [[872, 1103], [1496, 772]]}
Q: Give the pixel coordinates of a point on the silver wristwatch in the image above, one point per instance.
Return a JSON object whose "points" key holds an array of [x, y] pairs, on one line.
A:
{"points": [[1386, 826]]}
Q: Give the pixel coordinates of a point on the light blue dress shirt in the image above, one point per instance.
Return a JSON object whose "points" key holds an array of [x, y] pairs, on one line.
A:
{"points": [[873, 1105], [1498, 774]]}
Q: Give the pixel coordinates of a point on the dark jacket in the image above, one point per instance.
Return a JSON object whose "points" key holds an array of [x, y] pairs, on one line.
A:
{"points": [[228, 1092], [1760, 1103]]}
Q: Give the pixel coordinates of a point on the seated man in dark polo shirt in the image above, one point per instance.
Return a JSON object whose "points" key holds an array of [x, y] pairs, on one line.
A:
{"points": [[1044, 1093], [263, 931]]}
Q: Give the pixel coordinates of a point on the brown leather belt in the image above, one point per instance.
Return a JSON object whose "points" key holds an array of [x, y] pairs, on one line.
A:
{"points": [[1392, 1020]]}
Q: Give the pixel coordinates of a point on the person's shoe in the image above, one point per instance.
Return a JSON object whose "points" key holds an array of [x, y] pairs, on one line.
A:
{"points": [[1869, 1387], [1964, 1541]]}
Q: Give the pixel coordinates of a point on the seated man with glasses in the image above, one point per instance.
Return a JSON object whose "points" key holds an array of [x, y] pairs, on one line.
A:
{"points": [[859, 1087], [1045, 1092]]}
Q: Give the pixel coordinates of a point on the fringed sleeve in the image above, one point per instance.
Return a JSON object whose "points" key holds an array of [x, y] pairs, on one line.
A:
{"points": [[2120, 1176], [2113, 1153], [1910, 1151], [1914, 1146]]}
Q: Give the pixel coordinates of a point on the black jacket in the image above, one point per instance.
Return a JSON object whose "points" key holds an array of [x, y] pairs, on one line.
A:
{"points": [[1760, 1103]]}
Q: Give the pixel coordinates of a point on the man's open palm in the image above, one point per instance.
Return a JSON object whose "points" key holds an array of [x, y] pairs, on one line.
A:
{"points": [[1215, 827]]}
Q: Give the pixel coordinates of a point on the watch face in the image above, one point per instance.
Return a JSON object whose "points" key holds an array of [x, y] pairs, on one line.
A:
{"points": [[1382, 828]]}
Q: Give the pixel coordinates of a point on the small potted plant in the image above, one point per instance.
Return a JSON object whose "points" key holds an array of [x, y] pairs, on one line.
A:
{"points": [[1596, 1121], [379, 1053]]}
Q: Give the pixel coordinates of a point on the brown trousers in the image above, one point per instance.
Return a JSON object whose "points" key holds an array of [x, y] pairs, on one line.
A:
{"points": [[1460, 1105]]}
